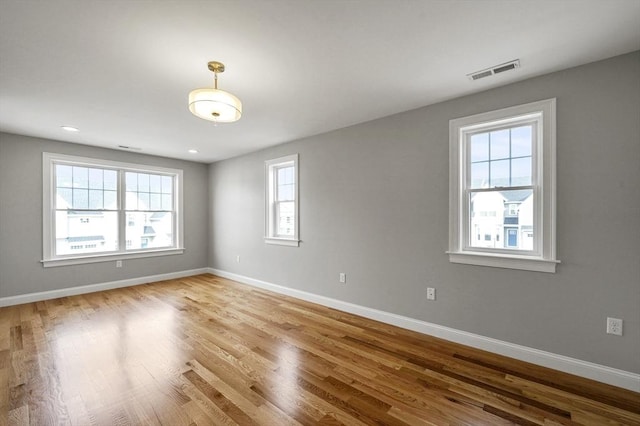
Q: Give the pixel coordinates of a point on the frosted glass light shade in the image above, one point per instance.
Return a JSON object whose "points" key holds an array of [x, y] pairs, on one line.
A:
{"points": [[215, 105]]}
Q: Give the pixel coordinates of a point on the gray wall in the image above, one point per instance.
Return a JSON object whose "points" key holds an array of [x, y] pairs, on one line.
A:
{"points": [[374, 204], [21, 220]]}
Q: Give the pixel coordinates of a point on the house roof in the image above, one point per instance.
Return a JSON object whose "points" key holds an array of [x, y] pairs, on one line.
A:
{"points": [[86, 238], [518, 195], [85, 212]]}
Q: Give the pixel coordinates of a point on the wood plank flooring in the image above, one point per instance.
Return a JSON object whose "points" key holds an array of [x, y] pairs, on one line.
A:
{"points": [[208, 351]]}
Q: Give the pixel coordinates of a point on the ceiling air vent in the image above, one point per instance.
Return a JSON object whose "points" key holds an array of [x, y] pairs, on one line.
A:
{"points": [[481, 74], [507, 66], [132, 148]]}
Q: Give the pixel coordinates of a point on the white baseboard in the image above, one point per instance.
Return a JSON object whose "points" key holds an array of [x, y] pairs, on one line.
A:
{"points": [[83, 289], [601, 373]]}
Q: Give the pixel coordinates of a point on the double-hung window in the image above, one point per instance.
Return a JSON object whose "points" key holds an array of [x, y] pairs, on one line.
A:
{"points": [[97, 210], [281, 195], [502, 188]]}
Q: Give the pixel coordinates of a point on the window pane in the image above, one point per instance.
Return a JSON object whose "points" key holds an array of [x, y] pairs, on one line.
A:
{"points": [[285, 175], [281, 176], [64, 199], [131, 181], [110, 200], [167, 202], [285, 182], [149, 230], [143, 201], [499, 173], [521, 171], [285, 219], [110, 180], [64, 176], [285, 192], [503, 216], [486, 216], [167, 185], [499, 144], [95, 199], [132, 201], [80, 198], [151, 192], [82, 232], [95, 179], [80, 177], [155, 182], [480, 147], [480, 175], [143, 182], [155, 202], [521, 141]]}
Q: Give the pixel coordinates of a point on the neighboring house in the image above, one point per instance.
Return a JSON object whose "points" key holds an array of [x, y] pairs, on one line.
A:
{"points": [[89, 231], [502, 220], [82, 232], [148, 230]]}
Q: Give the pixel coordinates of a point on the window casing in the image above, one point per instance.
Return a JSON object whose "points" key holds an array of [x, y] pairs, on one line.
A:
{"points": [[502, 183], [98, 210], [281, 195]]}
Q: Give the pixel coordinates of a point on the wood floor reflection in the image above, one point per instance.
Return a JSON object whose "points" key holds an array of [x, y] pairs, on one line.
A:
{"points": [[208, 351]]}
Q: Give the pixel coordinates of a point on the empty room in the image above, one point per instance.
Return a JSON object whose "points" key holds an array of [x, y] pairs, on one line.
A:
{"points": [[305, 212]]}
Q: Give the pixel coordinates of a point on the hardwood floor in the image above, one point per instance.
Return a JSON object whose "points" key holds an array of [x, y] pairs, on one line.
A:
{"points": [[206, 350]]}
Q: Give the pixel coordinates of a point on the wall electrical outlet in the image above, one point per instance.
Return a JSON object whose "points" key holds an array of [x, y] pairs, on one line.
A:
{"points": [[431, 293], [342, 277], [614, 326], [118, 263]]}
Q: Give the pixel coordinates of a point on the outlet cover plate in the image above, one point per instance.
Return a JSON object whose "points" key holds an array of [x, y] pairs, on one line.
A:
{"points": [[431, 293], [614, 326]]}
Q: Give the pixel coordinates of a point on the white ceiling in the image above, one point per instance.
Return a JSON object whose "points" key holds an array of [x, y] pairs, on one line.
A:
{"points": [[121, 71]]}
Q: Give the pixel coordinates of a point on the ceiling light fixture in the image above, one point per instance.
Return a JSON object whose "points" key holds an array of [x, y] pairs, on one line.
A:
{"points": [[214, 104], [70, 128], [193, 151]]}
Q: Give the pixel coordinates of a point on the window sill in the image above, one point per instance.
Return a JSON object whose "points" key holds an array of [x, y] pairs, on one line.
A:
{"points": [[66, 261], [282, 241], [504, 261]]}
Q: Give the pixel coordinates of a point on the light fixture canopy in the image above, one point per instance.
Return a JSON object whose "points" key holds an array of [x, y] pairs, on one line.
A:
{"points": [[214, 104]]}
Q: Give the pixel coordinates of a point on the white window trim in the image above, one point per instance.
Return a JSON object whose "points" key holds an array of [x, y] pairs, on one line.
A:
{"points": [[48, 242], [543, 257], [269, 225]]}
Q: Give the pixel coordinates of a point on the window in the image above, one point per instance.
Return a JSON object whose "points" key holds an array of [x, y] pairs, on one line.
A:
{"points": [[502, 182], [97, 210], [281, 195], [512, 209]]}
